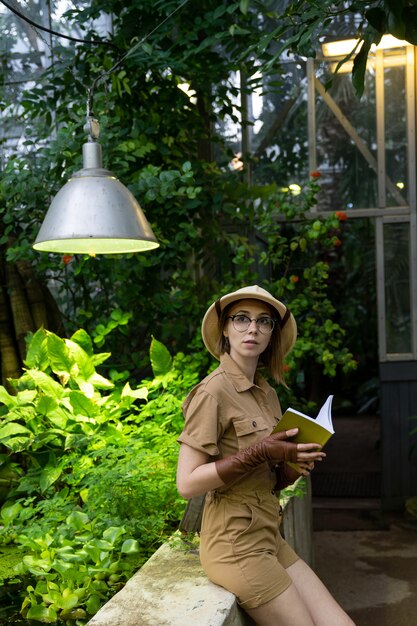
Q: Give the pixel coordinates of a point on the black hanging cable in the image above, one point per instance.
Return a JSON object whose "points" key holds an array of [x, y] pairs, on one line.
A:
{"points": [[90, 113], [95, 42]]}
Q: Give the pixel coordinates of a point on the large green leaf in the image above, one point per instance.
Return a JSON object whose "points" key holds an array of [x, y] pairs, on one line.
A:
{"points": [[42, 613], [113, 533], [76, 440], [82, 405], [45, 383], [83, 339], [66, 600], [77, 520], [244, 6], [46, 404], [36, 566], [49, 475], [93, 604], [98, 359], [130, 546], [377, 18], [86, 387], [19, 443], [6, 398], [410, 20], [26, 396], [37, 355], [9, 512], [100, 382], [396, 24], [359, 68], [161, 360], [59, 354], [12, 428], [135, 394], [82, 363], [57, 414], [68, 570], [98, 549]]}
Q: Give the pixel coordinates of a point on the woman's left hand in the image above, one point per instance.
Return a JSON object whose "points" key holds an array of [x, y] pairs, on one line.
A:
{"points": [[306, 467]]}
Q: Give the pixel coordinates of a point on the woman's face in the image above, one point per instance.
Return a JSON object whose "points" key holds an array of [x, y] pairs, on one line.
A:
{"points": [[250, 343]]}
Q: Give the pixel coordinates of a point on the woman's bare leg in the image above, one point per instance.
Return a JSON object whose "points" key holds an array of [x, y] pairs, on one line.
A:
{"points": [[287, 609], [306, 602], [321, 605]]}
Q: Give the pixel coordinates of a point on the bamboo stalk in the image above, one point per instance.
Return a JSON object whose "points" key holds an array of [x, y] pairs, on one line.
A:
{"points": [[26, 304], [22, 319], [10, 365]]}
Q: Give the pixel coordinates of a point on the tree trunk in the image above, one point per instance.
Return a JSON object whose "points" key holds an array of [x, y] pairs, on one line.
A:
{"points": [[25, 306], [10, 366]]}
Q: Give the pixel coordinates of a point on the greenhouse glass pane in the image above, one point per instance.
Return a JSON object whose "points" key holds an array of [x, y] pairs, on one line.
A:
{"points": [[277, 130], [397, 287], [395, 123], [280, 128], [348, 181]]}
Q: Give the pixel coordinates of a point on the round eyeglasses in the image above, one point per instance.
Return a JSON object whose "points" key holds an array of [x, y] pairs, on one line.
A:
{"points": [[241, 323]]}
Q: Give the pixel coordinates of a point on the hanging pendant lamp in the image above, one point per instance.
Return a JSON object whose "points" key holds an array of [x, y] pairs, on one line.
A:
{"points": [[94, 213]]}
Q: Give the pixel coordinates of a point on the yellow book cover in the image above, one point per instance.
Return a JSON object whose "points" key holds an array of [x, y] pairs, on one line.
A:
{"points": [[310, 429]]}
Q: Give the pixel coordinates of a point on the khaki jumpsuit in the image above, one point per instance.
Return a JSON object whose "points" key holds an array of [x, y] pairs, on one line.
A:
{"points": [[241, 547]]}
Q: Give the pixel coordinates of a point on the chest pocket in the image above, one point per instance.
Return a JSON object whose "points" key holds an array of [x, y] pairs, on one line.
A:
{"points": [[250, 430]]}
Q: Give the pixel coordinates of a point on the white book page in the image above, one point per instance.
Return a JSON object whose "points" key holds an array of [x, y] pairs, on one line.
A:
{"points": [[324, 418]]}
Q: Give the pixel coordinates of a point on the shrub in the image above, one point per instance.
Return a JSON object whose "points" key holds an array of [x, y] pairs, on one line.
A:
{"points": [[95, 461]]}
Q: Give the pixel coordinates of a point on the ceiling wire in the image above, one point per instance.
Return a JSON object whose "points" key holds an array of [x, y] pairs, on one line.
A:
{"points": [[96, 42]]}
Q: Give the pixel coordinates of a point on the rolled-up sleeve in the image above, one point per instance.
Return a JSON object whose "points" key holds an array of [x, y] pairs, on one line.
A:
{"points": [[201, 429]]}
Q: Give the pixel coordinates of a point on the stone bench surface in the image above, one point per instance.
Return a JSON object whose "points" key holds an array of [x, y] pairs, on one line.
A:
{"points": [[170, 589]]}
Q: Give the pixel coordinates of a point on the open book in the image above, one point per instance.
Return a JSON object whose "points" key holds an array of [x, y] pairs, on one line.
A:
{"points": [[310, 430]]}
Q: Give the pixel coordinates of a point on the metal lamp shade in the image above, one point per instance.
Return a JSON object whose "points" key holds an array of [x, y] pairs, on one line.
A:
{"points": [[94, 214]]}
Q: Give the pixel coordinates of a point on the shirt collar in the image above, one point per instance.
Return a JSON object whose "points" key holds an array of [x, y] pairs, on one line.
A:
{"points": [[238, 378]]}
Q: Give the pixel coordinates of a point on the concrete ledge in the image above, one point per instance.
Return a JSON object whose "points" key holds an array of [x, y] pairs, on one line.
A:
{"points": [[171, 588], [297, 525]]}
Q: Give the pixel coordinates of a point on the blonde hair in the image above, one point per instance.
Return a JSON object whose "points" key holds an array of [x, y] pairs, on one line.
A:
{"points": [[272, 357]]}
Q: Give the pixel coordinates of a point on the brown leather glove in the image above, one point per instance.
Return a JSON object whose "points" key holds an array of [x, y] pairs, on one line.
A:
{"points": [[273, 449], [286, 475]]}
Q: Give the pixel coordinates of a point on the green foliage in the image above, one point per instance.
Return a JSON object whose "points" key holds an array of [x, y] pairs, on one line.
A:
{"points": [[214, 230], [10, 557], [96, 461], [118, 319], [304, 22], [299, 254], [296, 490]]}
